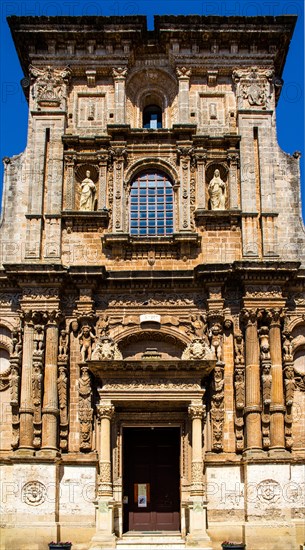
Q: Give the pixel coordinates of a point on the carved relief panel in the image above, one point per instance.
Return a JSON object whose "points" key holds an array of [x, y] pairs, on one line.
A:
{"points": [[91, 111]]}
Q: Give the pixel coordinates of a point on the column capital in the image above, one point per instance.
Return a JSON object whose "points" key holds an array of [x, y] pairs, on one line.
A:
{"points": [[183, 73], [105, 411], [53, 318], [276, 315], [196, 411], [248, 316], [119, 73]]}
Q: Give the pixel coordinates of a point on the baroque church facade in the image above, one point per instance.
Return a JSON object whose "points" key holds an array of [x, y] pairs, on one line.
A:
{"points": [[152, 297]]}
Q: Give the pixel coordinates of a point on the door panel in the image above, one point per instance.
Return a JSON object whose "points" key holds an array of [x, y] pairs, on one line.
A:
{"points": [[152, 457]]}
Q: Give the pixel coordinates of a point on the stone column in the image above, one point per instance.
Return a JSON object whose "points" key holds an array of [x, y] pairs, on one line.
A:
{"points": [[26, 402], [119, 77], [277, 409], [104, 537], [196, 412], [253, 397], [105, 413], [197, 504], [183, 98], [50, 409]]}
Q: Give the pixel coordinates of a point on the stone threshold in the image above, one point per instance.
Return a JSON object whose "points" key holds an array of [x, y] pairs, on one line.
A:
{"points": [[149, 540]]}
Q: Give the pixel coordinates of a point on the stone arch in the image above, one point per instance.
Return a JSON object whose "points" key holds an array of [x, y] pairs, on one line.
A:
{"points": [[167, 343], [5, 338], [147, 86], [151, 163]]}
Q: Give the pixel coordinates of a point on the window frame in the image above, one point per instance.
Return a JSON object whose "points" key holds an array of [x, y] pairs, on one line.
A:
{"points": [[157, 217]]}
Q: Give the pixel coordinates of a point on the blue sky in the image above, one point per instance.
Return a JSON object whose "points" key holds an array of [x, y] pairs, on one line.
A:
{"points": [[13, 106]]}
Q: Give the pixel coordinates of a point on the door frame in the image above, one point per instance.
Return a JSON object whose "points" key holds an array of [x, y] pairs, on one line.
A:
{"points": [[150, 430], [152, 420]]}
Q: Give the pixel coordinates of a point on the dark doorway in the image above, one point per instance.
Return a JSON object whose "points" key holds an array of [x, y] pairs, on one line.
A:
{"points": [[151, 495]]}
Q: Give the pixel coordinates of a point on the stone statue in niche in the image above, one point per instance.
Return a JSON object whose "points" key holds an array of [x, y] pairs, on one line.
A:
{"points": [[217, 192], [88, 190]]}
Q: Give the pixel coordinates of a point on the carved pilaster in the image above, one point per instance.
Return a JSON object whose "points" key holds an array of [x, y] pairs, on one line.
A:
{"points": [[70, 186], [289, 387], [201, 159], [239, 386], [105, 413], [217, 407], [102, 161], [233, 160], [184, 154], [85, 409], [62, 388], [14, 382], [119, 76], [266, 379], [183, 75], [118, 156]]}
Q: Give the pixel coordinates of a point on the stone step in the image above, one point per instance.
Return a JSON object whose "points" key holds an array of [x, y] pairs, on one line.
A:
{"points": [[145, 541]]}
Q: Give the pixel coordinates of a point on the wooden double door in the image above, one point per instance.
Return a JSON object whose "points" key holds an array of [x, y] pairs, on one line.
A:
{"points": [[151, 486]]}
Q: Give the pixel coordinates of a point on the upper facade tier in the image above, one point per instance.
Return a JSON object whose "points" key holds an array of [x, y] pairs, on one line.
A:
{"points": [[152, 147]]}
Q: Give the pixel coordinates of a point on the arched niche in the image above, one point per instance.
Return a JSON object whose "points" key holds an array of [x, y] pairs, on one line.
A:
{"points": [[157, 344], [151, 86]]}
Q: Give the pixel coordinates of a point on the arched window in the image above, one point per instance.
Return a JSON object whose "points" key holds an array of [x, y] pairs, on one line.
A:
{"points": [[152, 117], [151, 205]]}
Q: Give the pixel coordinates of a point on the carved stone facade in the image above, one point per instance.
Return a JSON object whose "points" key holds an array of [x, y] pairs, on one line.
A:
{"points": [[152, 289]]}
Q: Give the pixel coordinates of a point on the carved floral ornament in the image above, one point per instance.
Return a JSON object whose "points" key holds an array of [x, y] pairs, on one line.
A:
{"points": [[253, 87], [50, 84]]}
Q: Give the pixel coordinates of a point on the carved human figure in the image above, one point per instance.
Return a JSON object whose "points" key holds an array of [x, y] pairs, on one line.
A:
{"points": [[88, 190], [217, 192], [103, 325], [16, 343], [198, 325], [86, 339], [38, 340], [287, 348], [14, 383], [239, 349], [239, 384], [215, 336], [63, 343], [289, 385]]}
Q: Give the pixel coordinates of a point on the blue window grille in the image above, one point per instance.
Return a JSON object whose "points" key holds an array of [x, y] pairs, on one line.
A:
{"points": [[151, 205]]}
